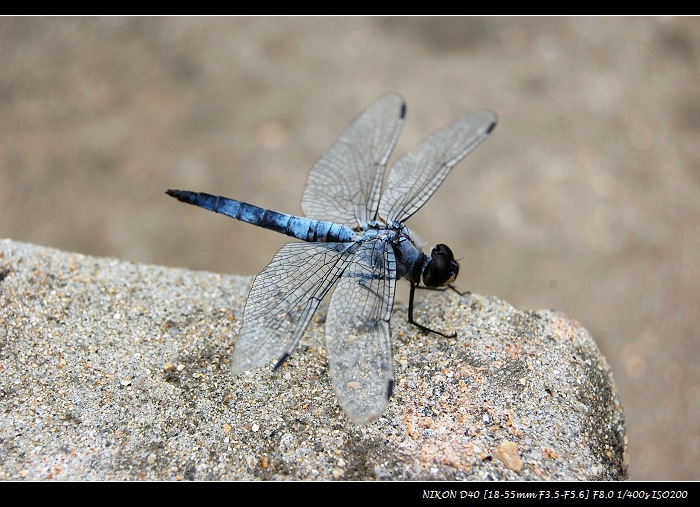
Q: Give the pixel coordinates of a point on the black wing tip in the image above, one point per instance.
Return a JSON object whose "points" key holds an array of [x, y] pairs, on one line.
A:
{"points": [[282, 360], [392, 95], [492, 126], [390, 389]]}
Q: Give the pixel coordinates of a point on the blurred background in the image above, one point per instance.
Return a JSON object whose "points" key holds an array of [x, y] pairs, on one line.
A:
{"points": [[585, 199]]}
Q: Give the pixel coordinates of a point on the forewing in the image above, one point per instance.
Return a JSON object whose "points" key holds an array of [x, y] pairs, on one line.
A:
{"points": [[283, 299], [415, 176], [358, 337], [345, 183]]}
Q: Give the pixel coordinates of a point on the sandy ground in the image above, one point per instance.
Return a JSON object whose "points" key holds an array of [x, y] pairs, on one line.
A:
{"points": [[586, 199]]}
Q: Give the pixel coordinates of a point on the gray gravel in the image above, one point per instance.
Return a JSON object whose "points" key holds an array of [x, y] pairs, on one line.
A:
{"points": [[115, 370]]}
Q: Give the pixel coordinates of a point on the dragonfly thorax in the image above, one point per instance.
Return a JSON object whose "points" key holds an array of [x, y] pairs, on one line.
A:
{"points": [[411, 262]]}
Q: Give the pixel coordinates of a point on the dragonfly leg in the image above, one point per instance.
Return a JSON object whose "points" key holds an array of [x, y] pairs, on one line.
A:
{"points": [[442, 289], [410, 313], [465, 293]]}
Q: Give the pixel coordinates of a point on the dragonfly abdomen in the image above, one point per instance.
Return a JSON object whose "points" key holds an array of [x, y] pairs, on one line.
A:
{"points": [[302, 228]]}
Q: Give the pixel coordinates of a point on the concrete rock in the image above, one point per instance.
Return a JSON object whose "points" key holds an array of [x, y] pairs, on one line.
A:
{"points": [[112, 370]]}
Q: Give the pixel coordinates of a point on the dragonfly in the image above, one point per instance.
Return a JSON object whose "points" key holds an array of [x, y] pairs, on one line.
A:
{"points": [[354, 241]]}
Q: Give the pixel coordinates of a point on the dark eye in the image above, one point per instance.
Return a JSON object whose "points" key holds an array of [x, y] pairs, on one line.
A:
{"points": [[442, 268]]}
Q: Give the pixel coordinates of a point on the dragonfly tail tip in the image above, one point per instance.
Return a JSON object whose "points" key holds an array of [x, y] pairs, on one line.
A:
{"points": [[182, 195]]}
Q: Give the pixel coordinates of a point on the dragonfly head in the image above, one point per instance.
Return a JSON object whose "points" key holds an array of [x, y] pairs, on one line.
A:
{"points": [[442, 267]]}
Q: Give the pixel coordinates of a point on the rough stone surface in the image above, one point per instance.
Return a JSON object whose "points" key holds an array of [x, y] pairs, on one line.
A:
{"points": [[115, 370]]}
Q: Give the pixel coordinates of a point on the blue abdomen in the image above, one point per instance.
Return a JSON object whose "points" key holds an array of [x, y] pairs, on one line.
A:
{"points": [[301, 228]]}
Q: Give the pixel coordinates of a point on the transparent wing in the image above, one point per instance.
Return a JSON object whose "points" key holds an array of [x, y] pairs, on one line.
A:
{"points": [[358, 338], [415, 176], [345, 184], [283, 299]]}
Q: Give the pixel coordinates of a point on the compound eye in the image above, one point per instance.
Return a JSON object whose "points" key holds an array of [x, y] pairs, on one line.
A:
{"points": [[442, 268]]}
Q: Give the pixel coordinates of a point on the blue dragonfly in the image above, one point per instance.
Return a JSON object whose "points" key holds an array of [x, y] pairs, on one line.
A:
{"points": [[357, 241]]}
